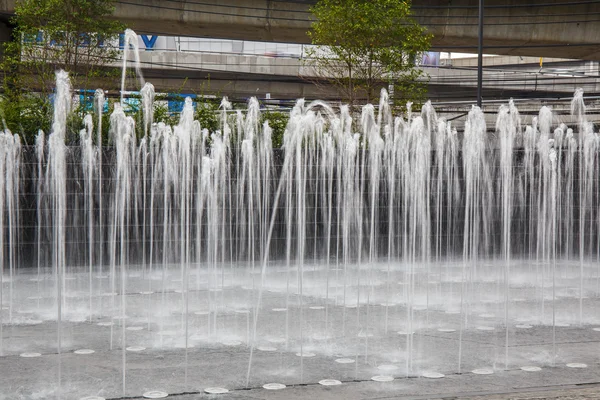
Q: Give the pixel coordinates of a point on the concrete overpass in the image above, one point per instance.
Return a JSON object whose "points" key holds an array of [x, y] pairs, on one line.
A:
{"points": [[565, 28], [288, 78], [451, 89]]}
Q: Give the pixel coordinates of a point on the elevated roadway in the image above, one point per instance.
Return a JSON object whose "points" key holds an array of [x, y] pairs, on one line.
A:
{"points": [[548, 28], [290, 78]]}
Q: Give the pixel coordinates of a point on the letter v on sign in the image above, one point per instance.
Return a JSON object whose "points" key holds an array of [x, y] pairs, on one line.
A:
{"points": [[149, 40]]}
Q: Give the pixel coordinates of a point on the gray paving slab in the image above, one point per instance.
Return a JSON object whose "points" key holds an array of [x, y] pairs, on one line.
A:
{"points": [[219, 345]]}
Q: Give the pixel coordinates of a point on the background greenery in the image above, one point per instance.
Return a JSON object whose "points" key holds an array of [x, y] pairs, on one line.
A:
{"points": [[361, 46]]}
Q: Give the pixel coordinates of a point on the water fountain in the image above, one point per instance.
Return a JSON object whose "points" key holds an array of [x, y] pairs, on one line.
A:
{"points": [[370, 248]]}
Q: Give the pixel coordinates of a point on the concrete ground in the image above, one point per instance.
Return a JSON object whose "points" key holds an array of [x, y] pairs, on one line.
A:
{"points": [[589, 391], [371, 337]]}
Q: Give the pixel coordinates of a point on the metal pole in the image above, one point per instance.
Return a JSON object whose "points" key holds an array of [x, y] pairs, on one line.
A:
{"points": [[480, 55]]}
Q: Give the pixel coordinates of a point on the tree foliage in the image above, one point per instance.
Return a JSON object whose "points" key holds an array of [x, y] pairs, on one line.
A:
{"points": [[206, 113], [75, 35], [277, 122], [363, 45]]}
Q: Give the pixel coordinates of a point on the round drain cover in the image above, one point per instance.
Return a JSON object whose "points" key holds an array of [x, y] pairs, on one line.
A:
{"points": [[329, 382], [274, 386], [530, 368], [382, 378], [30, 355], [84, 351], [155, 394], [432, 375], [483, 371], [215, 390]]}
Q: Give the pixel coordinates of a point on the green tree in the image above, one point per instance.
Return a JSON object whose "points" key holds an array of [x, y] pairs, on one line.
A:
{"points": [[75, 35], [277, 122], [162, 114], [364, 45], [206, 113]]}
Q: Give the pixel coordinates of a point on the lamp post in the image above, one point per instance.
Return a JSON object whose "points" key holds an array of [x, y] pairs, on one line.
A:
{"points": [[480, 55]]}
